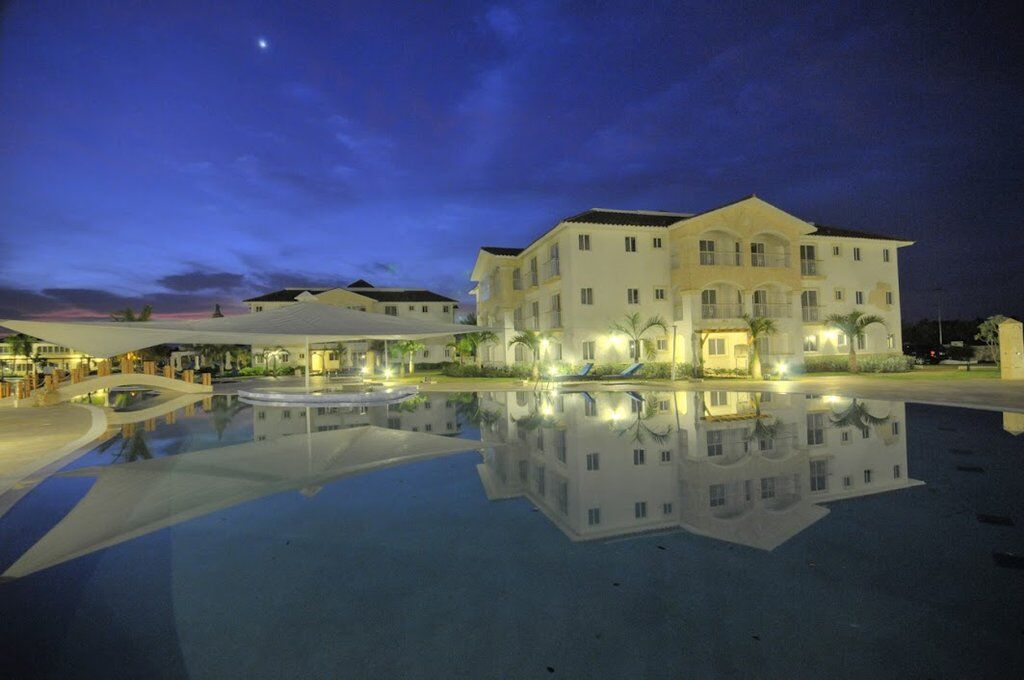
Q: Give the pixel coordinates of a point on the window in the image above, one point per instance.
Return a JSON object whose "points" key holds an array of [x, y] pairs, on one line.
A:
{"points": [[425, 309], [890, 341], [588, 350], [858, 297], [593, 461], [715, 446], [719, 398], [586, 296], [707, 252], [885, 255], [556, 351], [661, 344], [445, 309], [716, 495], [896, 472], [847, 481], [844, 436], [867, 476], [261, 415], [594, 516], [895, 428], [533, 271], [657, 242], [589, 408], [819, 475], [517, 279], [666, 508], [716, 346], [659, 293], [666, 456], [767, 487], [584, 241], [632, 296], [286, 414], [639, 456], [841, 340], [810, 343], [860, 342], [640, 509], [815, 429], [412, 308], [865, 433], [631, 244], [839, 294], [757, 258], [259, 308], [888, 297], [836, 251], [856, 254], [391, 310]]}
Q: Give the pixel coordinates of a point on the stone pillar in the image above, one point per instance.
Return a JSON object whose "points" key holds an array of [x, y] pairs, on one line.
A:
{"points": [[188, 376], [149, 367], [1011, 350], [207, 379], [169, 371]]}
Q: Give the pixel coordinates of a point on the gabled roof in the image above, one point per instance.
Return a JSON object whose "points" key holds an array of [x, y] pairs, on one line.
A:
{"points": [[360, 283], [823, 230], [404, 296], [627, 218], [284, 295], [503, 252]]}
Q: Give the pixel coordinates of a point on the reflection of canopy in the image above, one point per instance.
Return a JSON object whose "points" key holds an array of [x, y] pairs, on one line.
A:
{"points": [[294, 324], [133, 499]]}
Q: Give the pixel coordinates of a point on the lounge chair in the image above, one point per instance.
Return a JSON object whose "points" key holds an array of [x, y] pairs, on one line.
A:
{"points": [[584, 372], [627, 373]]}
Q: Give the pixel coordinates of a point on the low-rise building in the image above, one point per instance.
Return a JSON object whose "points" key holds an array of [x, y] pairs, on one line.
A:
{"points": [[700, 273], [42, 354], [361, 295]]}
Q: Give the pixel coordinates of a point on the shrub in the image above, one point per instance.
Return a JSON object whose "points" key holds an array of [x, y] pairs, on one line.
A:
{"points": [[870, 363], [454, 370]]}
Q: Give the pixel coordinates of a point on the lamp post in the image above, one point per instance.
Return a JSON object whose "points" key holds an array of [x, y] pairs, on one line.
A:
{"points": [[938, 303]]}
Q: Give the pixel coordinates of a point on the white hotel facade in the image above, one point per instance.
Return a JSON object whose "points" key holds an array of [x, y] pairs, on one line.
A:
{"points": [[699, 273]]}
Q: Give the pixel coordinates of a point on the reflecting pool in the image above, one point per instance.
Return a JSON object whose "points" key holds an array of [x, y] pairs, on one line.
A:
{"points": [[519, 534]]}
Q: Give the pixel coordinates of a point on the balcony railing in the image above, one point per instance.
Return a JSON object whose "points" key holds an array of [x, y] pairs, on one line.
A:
{"points": [[720, 259], [808, 267], [776, 310], [552, 269], [555, 318], [768, 260], [811, 313], [725, 311]]}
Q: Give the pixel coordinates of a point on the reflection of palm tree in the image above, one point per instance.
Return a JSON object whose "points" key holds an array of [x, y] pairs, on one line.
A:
{"points": [[765, 427], [856, 415], [133, 445], [467, 405], [222, 411], [412, 404], [641, 431]]}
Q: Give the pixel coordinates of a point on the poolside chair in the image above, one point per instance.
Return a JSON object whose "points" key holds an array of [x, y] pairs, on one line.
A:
{"points": [[627, 373], [584, 372]]}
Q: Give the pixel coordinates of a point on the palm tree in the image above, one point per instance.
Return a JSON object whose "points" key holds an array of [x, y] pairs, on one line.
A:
{"points": [[639, 430], [128, 314], [408, 348], [757, 327], [467, 405], [471, 343], [531, 341], [635, 329], [21, 345], [852, 325]]}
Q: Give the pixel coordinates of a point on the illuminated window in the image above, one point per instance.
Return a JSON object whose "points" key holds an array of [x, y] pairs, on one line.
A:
{"points": [[810, 343]]}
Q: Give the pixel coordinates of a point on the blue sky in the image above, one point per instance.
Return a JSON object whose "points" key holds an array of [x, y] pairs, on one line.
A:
{"points": [[153, 153]]}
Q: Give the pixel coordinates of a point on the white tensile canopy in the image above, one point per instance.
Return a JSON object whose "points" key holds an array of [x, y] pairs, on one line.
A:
{"points": [[130, 500], [310, 323]]}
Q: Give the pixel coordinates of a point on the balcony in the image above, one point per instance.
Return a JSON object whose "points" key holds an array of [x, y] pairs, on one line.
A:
{"points": [[713, 259], [808, 267], [723, 311], [810, 313], [773, 310], [552, 269], [769, 260]]}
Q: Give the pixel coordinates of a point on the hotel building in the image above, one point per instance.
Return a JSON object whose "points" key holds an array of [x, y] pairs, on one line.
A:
{"points": [[700, 273], [423, 305]]}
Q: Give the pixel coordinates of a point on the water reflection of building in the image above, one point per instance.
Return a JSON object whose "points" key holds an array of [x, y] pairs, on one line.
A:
{"points": [[429, 413], [745, 468]]}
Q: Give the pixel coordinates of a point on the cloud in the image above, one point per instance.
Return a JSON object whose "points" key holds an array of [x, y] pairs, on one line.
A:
{"points": [[198, 280]]}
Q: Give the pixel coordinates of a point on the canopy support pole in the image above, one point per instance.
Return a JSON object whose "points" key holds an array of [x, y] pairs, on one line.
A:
{"points": [[309, 362], [386, 362]]}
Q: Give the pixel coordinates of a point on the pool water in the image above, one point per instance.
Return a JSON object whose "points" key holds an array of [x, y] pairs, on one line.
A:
{"points": [[521, 534]]}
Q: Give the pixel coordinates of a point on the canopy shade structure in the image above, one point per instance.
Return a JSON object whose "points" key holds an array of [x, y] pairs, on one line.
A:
{"points": [[130, 500], [302, 322]]}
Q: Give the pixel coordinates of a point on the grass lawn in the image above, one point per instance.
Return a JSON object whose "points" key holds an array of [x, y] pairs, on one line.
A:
{"points": [[938, 372]]}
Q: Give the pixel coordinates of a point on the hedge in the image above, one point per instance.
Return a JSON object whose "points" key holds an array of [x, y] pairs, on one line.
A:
{"points": [[869, 363]]}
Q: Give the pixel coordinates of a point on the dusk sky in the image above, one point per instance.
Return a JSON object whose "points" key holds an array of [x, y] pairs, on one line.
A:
{"points": [[157, 153]]}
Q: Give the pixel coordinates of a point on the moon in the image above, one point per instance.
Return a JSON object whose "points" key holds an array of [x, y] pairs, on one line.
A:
{"points": [[262, 43]]}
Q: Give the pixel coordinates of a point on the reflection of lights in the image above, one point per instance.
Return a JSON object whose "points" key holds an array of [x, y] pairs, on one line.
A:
{"points": [[830, 399], [546, 410], [782, 367], [387, 372], [616, 415], [365, 370], [830, 334], [544, 343]]}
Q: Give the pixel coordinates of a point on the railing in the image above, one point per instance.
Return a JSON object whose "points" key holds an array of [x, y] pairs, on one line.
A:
{"points": [[808, 267], [725, 311], [778, 310], [811, 313], [533, 277], [556, 318], [552, 269], [768, 260], [720, 259]]}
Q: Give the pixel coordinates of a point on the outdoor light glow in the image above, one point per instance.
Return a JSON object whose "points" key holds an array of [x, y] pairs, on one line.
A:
{"points": [[365, 369], [546, 410], [544, 343], [830, 399], [387, 372], [616, 414], [783, 367]]}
